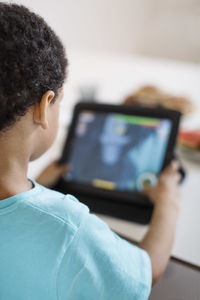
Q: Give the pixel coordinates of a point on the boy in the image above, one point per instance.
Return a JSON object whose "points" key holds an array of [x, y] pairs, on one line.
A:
{"points": [[51, 247]]}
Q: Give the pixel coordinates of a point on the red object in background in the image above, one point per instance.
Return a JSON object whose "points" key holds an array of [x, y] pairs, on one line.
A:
{"points": [[190, 138]]}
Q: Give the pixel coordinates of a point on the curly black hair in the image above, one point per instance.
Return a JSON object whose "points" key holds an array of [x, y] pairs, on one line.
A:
{"points": [[32, 61]]}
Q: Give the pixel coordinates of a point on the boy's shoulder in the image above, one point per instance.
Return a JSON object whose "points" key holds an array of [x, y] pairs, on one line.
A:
{"points": [[61, 207]]}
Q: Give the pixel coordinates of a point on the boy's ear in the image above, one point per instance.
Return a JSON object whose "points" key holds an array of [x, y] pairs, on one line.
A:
{"points": [[40, 113]]}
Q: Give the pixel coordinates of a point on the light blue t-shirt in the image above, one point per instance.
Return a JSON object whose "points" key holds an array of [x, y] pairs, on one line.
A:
{"points": [[52, 247]]}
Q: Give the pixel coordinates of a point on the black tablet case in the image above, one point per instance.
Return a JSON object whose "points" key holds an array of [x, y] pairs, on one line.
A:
{"points": [[98, 201]]}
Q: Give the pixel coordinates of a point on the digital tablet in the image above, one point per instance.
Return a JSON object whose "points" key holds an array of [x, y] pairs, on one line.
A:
{"points": [[114, 151]]}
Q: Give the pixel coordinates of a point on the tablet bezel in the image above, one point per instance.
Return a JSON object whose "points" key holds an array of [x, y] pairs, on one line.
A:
{"points": [[117, 195]]}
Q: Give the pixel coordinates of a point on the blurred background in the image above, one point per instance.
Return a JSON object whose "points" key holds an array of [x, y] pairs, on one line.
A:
{"points": [[167, 29], [117, 46], [130, 51]]}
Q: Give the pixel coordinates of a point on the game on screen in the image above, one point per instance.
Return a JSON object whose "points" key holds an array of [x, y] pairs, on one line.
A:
{"points": [[116, 151]]}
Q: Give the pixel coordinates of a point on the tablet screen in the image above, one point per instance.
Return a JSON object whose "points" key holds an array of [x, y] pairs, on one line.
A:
{"points": [[116, 151]]}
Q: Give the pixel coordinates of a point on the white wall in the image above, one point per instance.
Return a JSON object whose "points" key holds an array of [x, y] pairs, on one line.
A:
{"points": [[151, 27], [171, 29], [91, 25]]}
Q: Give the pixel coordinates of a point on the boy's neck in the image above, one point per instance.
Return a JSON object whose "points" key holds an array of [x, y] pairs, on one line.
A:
{"points": [[14, 159], [13, 179], [7, 191]]}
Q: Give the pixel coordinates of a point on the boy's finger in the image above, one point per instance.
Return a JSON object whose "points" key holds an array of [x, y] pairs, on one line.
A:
{"points": [[64, 168], [178, 177], [172, 167], [61, 167], [175, 165], [147, 190]]}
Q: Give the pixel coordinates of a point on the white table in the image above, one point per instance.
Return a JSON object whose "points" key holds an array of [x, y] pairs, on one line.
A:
{"points": [[116, 76]]}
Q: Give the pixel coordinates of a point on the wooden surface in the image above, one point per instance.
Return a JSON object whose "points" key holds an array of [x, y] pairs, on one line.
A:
{"points": [[179, 282]]}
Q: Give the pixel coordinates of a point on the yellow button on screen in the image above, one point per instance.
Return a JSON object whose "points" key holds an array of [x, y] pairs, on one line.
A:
{"points": [[103, 184]]}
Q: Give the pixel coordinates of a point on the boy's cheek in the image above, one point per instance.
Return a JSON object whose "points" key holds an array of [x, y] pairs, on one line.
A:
{"points": [[53, 125]]}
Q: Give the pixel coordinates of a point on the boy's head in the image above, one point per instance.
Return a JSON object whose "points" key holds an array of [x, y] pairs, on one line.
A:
{"points": [[32, 72]]}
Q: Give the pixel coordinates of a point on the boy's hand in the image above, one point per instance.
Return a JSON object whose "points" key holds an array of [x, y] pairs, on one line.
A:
{"points": [[52, 173], [167, 189]]}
